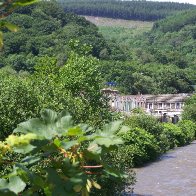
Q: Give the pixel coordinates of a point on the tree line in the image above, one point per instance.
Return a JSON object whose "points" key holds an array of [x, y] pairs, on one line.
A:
{"points": [[129, 10]]}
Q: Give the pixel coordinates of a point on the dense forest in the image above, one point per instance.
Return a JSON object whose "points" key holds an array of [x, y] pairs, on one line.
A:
{"points": [[46, 30], [129, 10], [158, 61], [162, 60]]}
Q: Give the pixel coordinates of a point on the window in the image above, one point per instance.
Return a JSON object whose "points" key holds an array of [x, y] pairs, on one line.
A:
{"points": [[173, 105], [160, 105], [177, 105]]}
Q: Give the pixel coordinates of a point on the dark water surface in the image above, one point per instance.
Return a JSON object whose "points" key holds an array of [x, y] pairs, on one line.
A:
{"points": [[173, 175]]}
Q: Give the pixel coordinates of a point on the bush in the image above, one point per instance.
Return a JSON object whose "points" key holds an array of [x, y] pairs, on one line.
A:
{"points": [[18, 101], [189, 129], [190, 109], [140, 147], [172, 136], [146, 122]]}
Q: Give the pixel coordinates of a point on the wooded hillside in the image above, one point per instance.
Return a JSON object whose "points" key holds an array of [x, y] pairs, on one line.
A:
{"points": [[46, 30], [134, 10]]}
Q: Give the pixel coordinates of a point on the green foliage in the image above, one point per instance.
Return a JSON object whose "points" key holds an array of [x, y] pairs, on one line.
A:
{"points": [[74, 87], [135, 10], [56, 154], [44, 29], [189, 129], [147, 138], [140, 147], [18, 101], [146, 122], [176, 22], [173, 136], [189, 112], [159, 62], [6, 8]]}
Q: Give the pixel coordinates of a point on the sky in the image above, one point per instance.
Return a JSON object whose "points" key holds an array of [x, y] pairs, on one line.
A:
{"points": [[180, 1]]}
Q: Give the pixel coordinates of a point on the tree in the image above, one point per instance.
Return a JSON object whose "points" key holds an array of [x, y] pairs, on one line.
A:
{"points": [[6, 8], [190, 109]]}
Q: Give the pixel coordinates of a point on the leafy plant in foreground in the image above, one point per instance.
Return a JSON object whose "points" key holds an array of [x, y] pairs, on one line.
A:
{"points": [[59, 158]]}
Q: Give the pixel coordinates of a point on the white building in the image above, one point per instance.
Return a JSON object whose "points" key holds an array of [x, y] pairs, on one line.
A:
{"points": [[157, 105]]}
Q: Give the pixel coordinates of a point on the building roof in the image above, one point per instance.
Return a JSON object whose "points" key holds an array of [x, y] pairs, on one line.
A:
{"points": [[167, 98]]}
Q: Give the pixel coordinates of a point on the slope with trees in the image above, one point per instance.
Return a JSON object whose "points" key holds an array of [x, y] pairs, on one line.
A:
{"points": [[134, 10], [46, 30], [164, 61]]}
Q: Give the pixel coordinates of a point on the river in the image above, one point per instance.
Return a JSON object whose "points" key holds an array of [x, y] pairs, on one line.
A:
{"points": [[174, 174]]}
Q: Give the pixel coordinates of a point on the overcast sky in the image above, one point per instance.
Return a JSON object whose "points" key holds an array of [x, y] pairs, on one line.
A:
{"points": [[180, 1]]}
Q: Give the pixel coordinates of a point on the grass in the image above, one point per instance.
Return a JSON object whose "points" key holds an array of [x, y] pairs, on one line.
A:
{"points": [[118, 29]]}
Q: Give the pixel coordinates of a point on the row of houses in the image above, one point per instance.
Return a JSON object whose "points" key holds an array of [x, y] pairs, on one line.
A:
{"points": [[157, 105]]}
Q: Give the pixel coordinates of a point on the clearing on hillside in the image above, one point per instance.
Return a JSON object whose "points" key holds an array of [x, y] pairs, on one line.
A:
{"points": [[101, 21], [123, 31]]}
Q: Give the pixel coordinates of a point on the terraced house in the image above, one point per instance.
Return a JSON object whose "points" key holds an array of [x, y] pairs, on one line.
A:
{"points": [[157, 105]]}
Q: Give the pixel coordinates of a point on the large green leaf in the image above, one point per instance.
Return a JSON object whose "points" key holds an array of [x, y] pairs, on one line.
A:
{"points": [[107, 142], [15, 184], [75, 131], [29, 160], [24, 149], [48, 126], [111, 128]]}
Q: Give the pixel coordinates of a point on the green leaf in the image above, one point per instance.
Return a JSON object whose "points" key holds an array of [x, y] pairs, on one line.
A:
{"points": [[112, 128], [75, 131], [124, 129], [11, 27], [57, 142], [92, 155], [49, 126], [15, 184], [107, 142], [68, 144], [31, 159], [49, 116], [6, 192], [24, 2], [24, 149]]}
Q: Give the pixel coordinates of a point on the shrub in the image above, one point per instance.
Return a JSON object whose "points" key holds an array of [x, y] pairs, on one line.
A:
{"points": [[189, 129], [18, 101], [140, 147], [172, 136], [146, 122], [190, 109]]}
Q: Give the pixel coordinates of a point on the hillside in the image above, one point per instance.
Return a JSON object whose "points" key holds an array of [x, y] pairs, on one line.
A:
{"points": [[136, 59], [129, 10], [46, 30], [161, 62]]}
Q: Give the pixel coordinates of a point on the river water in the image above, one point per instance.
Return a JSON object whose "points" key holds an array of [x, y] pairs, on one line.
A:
{"points": [[174, 174]]}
